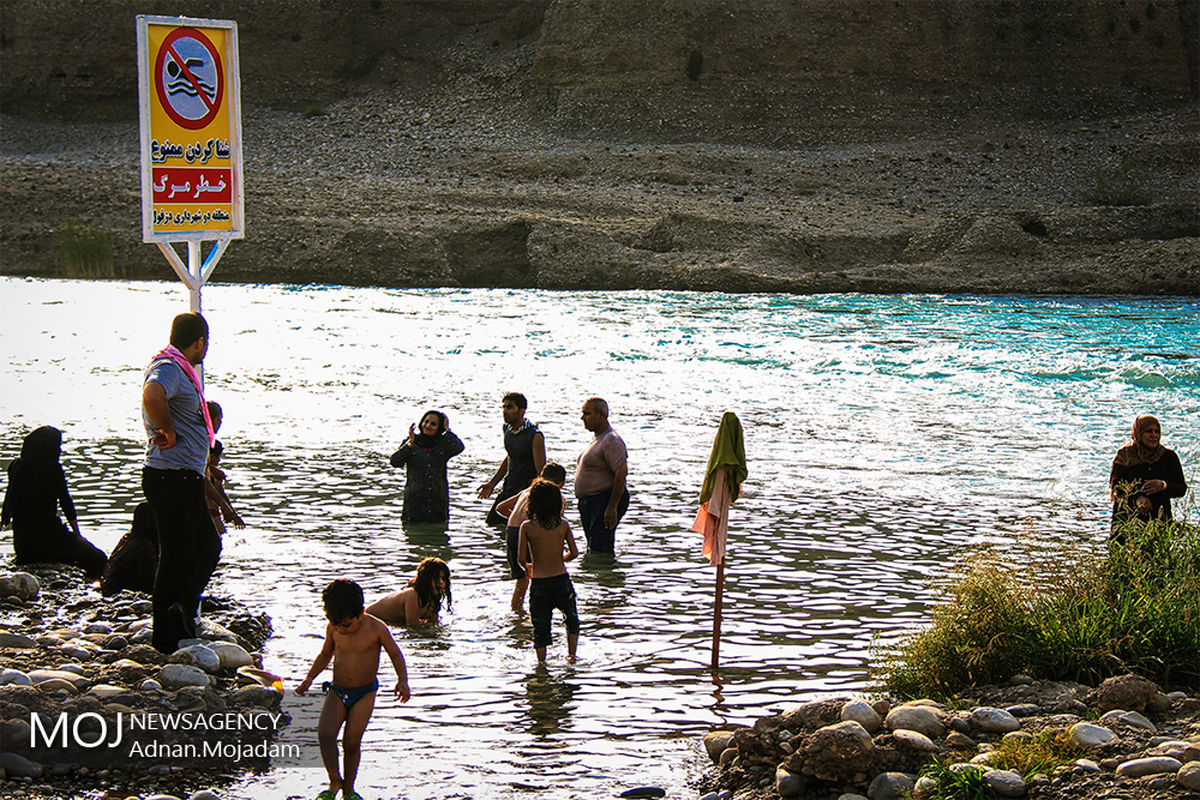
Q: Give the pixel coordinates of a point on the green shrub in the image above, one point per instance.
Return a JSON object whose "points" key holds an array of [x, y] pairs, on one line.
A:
{"points": [[87, 252], [1084, 618]]}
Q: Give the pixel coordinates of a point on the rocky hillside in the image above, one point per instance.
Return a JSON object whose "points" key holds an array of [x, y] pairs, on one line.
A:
{"points": [[820, 145]]}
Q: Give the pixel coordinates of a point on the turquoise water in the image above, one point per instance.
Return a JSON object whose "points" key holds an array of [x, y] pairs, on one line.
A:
{"points": [[887, 436]]}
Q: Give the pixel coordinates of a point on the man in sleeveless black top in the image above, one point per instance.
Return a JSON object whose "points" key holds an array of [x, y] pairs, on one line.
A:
{"points": [[526, 455]]}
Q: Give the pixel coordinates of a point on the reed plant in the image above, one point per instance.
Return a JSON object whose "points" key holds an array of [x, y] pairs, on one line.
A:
{"points": [[87, 252], [1086, 617]]}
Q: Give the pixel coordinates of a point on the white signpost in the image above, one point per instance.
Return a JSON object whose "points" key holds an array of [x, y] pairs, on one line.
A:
{"points": [[189, 96]]}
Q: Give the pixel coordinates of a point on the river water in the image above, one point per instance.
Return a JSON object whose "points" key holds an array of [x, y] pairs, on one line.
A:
{"points": [[887, 437]]}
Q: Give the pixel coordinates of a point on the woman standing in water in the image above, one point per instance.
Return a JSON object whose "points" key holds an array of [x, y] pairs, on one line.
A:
{"points": [[430, 445], [1145, 476], [36, 488]]}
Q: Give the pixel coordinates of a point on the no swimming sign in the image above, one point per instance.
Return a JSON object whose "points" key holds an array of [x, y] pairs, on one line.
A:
{"points": [[189, 97]]}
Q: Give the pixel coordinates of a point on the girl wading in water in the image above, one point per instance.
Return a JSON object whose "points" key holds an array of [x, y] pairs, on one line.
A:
{"points": [[1145, 476], [424, 455]]}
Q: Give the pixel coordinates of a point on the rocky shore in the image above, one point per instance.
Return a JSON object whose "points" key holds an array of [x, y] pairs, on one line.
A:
{"points": [[1124, 740], [87, 705]]}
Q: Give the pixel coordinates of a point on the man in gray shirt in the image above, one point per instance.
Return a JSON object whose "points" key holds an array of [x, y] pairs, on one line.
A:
{"points": [[179, 436]]}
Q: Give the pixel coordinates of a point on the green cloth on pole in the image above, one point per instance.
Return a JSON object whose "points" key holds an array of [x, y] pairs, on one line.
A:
{"points": [[728, 450]]}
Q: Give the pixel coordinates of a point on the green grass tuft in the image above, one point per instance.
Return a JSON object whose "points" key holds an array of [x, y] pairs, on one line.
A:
{"points": [[1080, 617], [87, 252]]}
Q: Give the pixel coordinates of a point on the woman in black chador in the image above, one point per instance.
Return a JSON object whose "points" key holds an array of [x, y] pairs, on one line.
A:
{"points": [[1145, 476], [36, 488], [424, 455]]}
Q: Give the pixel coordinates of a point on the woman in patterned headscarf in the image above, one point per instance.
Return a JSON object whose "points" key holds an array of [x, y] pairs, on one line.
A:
{"points": [[36, 488], [1145, 475], [424, 454]]}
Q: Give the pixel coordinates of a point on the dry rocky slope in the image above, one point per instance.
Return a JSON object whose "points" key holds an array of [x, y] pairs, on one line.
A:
{"points": [[733, 145]]}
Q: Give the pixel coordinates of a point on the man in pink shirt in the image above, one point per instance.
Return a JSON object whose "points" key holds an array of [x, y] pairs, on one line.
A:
{"points": [[600, 479]]}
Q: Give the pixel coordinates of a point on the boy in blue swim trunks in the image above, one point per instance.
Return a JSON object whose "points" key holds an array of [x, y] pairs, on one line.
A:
{"points": [[542, 540], [353, 640]]}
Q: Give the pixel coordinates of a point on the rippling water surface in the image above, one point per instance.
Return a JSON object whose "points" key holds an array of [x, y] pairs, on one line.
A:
{"points": [[886, 437]]}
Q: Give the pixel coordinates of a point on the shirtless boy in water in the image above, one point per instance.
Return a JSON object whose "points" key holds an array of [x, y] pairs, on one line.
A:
{"points": [[355, 638], [421, 600], [542, 539], [516, 508]]}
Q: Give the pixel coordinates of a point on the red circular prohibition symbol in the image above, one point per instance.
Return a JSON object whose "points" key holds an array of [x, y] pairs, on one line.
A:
{"points": [[213, 105]]}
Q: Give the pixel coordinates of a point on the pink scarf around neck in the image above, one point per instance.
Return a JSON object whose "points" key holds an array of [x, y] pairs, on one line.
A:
{"points": [[172, 352]]}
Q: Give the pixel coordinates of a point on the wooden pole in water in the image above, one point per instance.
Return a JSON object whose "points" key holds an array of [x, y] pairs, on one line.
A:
{"points": [[716, 645]]}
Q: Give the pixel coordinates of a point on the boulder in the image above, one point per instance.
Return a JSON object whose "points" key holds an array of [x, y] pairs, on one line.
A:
{"points": [[1125, 692], [861, 712], [1189, 776], [177, 676], [19, 584], [715, 743], [1131, 718], [890, 786], [17, 641], [231, 656], [788, 783], [1155, 765], [914, 740], [838, 752], [1087, 735], [994, 720], [1005, 783], [17, 767], [920, 718], [197, 655]]}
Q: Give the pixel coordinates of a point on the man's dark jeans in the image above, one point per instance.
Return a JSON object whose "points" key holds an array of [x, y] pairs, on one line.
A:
{"points": [[188, 550]]}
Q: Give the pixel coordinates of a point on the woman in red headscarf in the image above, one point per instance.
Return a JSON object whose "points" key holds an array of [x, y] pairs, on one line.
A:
{"points": [[1145, 475]]}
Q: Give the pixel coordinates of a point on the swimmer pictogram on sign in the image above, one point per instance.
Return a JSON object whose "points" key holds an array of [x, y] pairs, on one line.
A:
{"points": [[189, 78]]}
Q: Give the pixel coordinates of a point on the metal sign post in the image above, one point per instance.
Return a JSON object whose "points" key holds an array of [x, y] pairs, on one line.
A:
{"points": [[189, 97]]}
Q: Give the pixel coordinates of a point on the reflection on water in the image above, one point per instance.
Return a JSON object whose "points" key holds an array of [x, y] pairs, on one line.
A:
{"points": [[886, 436]]}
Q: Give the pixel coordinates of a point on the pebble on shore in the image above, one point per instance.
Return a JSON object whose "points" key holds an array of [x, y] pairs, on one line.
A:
{"points": [[68, 650], [1145, 745]]}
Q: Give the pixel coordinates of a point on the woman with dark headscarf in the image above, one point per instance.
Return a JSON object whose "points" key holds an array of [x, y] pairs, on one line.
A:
{"points": [[36, 488], [1145, 475], [427, 491]]}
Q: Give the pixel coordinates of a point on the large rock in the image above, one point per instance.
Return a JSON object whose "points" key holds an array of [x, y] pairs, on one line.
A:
{"points": [[863, 713], [1125, 692], [1131, 718], [920, 718], [1005, 783], [716, 743], [197, 655], [1189, 776], [994, 720], [19, 584], [840, 752], [1141, 767], [232, 656], [177, 676], [890, 786], [42, 675], [16, 766], [788, 784], [1087, 735], [17, 641]]}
